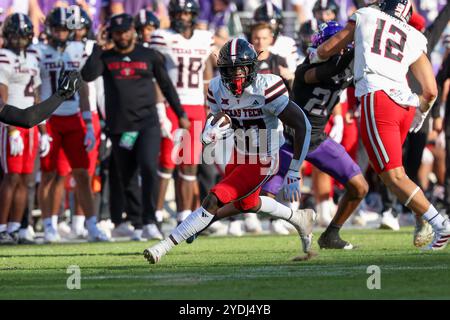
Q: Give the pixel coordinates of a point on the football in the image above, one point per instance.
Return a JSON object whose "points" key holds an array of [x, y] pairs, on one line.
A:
{"points": [[219, 116]]}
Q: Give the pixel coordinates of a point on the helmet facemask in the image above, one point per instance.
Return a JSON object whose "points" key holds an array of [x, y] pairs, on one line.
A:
{"points": [[237, 78]]}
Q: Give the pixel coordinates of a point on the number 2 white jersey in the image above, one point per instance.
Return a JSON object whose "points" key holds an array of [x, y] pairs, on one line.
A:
{"points": [[51, 63], [385, 47], [185, 61], [20, 73], [257, 108]]}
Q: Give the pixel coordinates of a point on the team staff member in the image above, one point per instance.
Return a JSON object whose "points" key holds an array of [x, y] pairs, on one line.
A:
{"points": [[128, 70]]}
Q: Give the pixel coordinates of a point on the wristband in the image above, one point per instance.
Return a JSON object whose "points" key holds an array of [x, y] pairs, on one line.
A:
{"points": [[295, 165], [86, 115]]}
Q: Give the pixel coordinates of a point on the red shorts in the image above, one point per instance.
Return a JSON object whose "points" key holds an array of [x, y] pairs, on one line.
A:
{"points": [[22, 164], [191, 147], [384, 127], [62, 164], [242, 180], [68, 134]]}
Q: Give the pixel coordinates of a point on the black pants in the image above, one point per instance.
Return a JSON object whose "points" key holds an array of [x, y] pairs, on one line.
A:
{"points": [[143, 156], [123, 200]]}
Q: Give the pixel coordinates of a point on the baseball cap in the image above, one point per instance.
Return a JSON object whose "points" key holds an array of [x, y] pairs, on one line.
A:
{"points": [[121, 22]]}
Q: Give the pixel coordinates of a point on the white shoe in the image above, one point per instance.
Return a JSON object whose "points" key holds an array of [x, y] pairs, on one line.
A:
{"points": [[151, 232], [218, 228], [252, 223], [98, 235], [388, 221], [79, 233], [125, 229], [155, 253], [26, 235], [423, 233], [303, 221], [324, 218], [441, 237], [359, 219], [137, 235], [64, 229], [51, 236], [278, 227], [234, 229]]}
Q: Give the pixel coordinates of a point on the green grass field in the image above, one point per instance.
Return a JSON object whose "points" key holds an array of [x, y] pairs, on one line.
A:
{"points": [[253, 267]]}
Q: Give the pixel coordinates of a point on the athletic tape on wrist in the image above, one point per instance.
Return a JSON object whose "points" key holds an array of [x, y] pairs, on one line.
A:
{"points": [[295, 165], [412, 196]]}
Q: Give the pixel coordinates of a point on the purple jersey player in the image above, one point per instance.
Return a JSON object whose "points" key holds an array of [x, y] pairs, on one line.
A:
{"points": [[316, 90]]}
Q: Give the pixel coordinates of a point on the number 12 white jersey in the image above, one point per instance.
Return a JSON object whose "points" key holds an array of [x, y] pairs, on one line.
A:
{"points": [[185, 61], [385, 47]]}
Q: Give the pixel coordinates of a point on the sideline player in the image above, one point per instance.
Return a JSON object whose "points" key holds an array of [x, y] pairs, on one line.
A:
{"points": [[69, 131], [187, 54], [385, 47], [19, 85]]}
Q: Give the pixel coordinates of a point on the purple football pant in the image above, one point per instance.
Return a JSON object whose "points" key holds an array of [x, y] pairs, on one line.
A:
{"points": [[330, 157]]}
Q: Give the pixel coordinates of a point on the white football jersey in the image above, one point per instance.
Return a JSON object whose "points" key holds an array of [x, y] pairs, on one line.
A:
{"points": [[287, 48], [257, 108], [185, 61], [20, 73], [385, 47], [51, 62]]}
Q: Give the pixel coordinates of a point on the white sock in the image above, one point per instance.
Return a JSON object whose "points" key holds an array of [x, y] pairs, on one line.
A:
{"points": [[55, 221], [274, 208], [293, 205], [434, 218], [137, 233], [2, 227], [91, 224], [195, 222], [48, 223], [159, 215], [13, 226], [182, 215], [78, 222], [324, 208]]}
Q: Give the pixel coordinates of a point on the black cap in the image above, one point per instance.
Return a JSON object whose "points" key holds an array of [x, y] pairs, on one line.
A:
{"points": [[121, 22]]}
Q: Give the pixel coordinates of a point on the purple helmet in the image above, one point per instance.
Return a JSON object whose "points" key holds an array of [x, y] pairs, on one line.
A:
{"points": [[326, 31]]}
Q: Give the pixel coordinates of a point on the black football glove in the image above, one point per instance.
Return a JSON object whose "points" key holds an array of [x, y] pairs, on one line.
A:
{"points": [[69, 83]]}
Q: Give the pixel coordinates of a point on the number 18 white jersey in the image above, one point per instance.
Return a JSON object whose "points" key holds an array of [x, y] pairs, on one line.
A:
{"points": [[185, 61], [385, 47], [51, 63], [20, 73]]}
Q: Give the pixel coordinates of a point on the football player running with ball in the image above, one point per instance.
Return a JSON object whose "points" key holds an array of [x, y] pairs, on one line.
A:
{"points": [[258, 102]]}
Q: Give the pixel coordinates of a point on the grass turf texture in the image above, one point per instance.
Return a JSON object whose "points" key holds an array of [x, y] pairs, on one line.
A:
{"points": [[253, 267]]}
